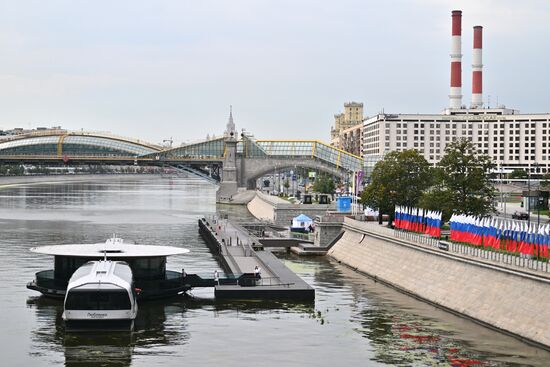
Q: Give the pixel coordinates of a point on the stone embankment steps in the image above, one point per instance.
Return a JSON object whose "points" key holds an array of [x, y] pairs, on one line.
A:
{"points": [[497, 295]]}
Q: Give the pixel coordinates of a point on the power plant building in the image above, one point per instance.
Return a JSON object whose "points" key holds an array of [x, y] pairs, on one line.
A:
{"points": [[511, 139]]}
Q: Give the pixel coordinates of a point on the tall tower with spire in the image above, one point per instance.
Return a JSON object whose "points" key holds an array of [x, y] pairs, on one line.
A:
{"points": [[230, 127], [229, 183]]}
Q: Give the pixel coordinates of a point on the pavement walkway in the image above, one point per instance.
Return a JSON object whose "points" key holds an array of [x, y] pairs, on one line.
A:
{"points": [[508, 209]]}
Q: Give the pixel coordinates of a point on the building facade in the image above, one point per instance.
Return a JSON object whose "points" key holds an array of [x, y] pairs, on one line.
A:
{"points": [[346, 134], [511, 139]]}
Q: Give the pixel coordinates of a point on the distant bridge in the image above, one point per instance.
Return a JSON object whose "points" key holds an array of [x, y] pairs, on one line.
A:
{"points": [[234, 162]]}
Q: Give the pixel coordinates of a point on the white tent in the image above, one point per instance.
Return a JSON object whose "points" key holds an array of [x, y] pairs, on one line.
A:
{"points": [[369, 212], [301, 221]]}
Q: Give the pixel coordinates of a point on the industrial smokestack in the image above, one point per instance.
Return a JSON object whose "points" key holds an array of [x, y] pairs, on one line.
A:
{"points": [[477, 68], [455, 98]]}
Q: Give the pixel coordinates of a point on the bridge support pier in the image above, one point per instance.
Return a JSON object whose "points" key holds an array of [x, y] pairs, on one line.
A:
{"points": [[228, 184]]}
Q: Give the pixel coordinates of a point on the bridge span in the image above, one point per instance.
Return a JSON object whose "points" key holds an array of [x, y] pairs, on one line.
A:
{"points": [[233, 162]]}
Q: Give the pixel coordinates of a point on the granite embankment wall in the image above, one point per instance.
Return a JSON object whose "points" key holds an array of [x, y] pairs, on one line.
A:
{"points": [[502, 298], [281, 212], [261, 208]]}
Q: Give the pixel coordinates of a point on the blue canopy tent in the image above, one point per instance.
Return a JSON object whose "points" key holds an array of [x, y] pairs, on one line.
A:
{"points": [[301, 223]]}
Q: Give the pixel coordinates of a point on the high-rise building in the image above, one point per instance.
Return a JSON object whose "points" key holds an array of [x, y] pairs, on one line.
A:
{"points": [[511, 139], [346, 134]]}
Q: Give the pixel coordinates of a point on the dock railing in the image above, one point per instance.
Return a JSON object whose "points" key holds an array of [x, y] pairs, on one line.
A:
{"points": [[245, 279]]}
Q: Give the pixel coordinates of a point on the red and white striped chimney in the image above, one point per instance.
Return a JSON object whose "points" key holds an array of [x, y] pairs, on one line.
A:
{"points": [[455, 98], [477, 68]]}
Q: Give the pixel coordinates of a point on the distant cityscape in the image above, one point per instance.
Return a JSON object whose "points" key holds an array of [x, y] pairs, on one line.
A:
{"points": [[21, 131]]}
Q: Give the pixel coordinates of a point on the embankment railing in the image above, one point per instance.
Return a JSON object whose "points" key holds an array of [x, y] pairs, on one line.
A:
{"points": [[499, 256]]}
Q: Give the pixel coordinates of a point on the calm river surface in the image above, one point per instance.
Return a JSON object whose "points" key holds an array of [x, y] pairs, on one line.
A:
{"points": [[354, 321]]}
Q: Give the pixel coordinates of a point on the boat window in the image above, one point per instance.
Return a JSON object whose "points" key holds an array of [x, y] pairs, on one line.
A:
{"points": [[149, 268], [65, 266], [95, 300], [123, 271]]}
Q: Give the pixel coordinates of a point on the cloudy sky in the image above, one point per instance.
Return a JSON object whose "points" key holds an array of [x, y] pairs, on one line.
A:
{"points": [[160, 69]]}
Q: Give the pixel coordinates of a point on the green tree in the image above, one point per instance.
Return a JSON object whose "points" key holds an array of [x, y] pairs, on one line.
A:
{"points": [[323, 184], [518, 173], [17, 170], [399, 179], [286, 184], [462, 182], [545, 181]]}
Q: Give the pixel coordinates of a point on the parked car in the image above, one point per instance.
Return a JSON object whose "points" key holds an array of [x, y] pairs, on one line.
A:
{"points": [[520, 215]]}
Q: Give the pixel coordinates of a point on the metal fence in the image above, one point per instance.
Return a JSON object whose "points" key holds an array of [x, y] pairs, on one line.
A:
{"points": [[519, 260], [523, 261], [417, 237]]}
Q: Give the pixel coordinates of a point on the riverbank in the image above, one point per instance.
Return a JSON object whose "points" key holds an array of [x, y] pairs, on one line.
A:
{"points": [[9, 181], [501, 298]]}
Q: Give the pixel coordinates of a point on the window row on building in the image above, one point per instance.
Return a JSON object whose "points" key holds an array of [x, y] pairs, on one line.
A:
{"points": [[509, 138]]}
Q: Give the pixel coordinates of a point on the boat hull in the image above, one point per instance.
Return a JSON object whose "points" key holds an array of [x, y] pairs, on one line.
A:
{"points": [[99, 325]]}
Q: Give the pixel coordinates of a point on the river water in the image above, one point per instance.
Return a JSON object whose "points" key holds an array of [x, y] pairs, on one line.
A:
{"points": [[354, 321]]}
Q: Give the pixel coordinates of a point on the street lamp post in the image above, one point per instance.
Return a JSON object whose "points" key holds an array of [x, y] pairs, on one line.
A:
{"points": [[528, 193], [538, 209], [501, 194]]}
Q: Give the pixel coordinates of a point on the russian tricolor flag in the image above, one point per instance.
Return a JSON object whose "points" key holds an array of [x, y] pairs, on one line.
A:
{"points": [[433, 223]]}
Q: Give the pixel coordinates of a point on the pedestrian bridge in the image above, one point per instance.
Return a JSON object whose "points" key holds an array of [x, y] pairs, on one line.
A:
{"points": [[233, 162], [296, 153]]}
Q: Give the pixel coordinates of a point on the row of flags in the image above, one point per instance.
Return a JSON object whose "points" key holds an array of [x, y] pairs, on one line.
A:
{"points": [[529, 239], [418, 220], [501, 234]]}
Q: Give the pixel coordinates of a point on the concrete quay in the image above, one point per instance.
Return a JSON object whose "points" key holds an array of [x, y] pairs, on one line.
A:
{"points": [[235, 250], [280, 212], [500, 296]]}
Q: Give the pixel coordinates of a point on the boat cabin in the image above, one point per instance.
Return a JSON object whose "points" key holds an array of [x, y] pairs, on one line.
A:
{"points": [[147, 262], [101, 295]]}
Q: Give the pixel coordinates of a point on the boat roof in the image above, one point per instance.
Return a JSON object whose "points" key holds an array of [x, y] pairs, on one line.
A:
{"points": [[113, 248], [101, 275]]}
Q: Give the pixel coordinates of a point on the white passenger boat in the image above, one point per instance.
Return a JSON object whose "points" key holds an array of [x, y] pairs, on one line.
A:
{"points": [[101, 295], [148, 264]]}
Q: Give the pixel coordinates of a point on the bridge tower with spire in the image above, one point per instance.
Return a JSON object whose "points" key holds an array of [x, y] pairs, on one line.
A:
{"points": [[229, 182]]}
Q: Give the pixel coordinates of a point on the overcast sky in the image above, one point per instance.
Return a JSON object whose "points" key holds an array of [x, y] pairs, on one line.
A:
{"points": [[160, 69]]}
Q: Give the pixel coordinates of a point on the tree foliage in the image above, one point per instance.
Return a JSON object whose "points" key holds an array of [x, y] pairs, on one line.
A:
{"points": [[12, 170], [286, 183], [323, 184], [518, 173], [461, 182], [399, 179]]}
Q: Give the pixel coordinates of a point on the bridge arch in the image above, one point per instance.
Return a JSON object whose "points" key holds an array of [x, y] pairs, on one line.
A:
{"points": [[257, 168]]}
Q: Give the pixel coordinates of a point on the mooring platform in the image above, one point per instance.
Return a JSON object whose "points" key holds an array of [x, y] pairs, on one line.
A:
{"points": [[235, 249]]}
